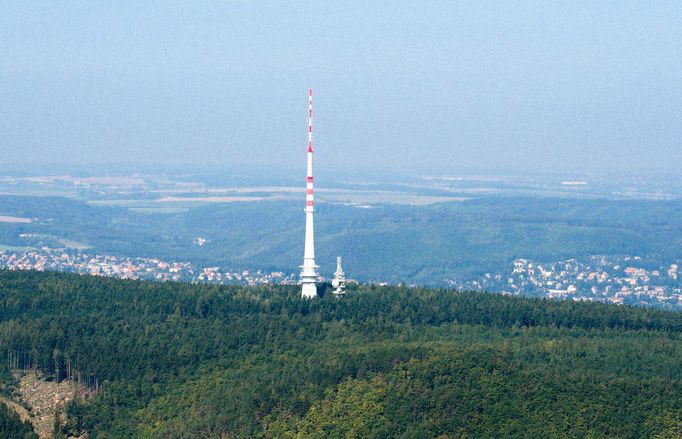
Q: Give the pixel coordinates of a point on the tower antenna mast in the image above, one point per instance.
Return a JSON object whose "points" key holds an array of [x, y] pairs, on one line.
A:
{"points": [[309, 275]]}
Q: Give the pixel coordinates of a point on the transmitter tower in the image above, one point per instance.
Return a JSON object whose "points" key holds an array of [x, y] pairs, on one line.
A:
{"points": [[309, 274]]}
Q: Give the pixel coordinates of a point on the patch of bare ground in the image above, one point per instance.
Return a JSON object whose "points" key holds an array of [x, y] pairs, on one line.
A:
{"points": [[45, 398]]}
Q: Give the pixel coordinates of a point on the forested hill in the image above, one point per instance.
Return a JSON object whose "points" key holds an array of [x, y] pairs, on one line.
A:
{"points": [[181, 360]]}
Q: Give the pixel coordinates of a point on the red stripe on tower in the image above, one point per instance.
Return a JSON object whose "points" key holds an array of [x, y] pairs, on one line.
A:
{"points": [[309, 178], [309, 273], [310, 120]]}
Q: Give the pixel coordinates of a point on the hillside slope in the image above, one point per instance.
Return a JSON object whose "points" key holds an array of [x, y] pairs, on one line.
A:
{"points": [[180, 360]]}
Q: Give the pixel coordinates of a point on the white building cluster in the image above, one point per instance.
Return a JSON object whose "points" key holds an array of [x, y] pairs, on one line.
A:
{"points": [[136, 268], [621, 280]]}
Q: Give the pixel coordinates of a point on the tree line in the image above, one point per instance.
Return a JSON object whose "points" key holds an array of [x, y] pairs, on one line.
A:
{"points": [[183, 360]]}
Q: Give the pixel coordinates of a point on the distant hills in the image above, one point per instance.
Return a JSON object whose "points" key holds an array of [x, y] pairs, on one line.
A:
{"points": [[393, 243]]}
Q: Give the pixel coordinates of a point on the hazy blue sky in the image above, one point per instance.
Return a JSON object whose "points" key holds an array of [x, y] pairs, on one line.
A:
{"points": [[411, 86]]}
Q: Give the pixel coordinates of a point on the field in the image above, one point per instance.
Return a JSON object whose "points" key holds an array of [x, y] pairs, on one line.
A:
{"points": [[14, 219]]}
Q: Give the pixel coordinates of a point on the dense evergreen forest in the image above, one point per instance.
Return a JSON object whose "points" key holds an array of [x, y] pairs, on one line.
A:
{"points": [[11, 427], [182, 360]]}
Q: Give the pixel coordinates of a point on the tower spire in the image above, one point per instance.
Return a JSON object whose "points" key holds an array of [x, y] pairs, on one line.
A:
{"points": [[309, 275]]}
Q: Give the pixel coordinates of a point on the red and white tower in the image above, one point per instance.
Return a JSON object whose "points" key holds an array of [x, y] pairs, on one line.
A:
{"points": [[309, 275]]}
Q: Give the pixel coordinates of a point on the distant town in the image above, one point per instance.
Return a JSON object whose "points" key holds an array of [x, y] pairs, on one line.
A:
{"points": [[135, 268], [629, 280]]}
